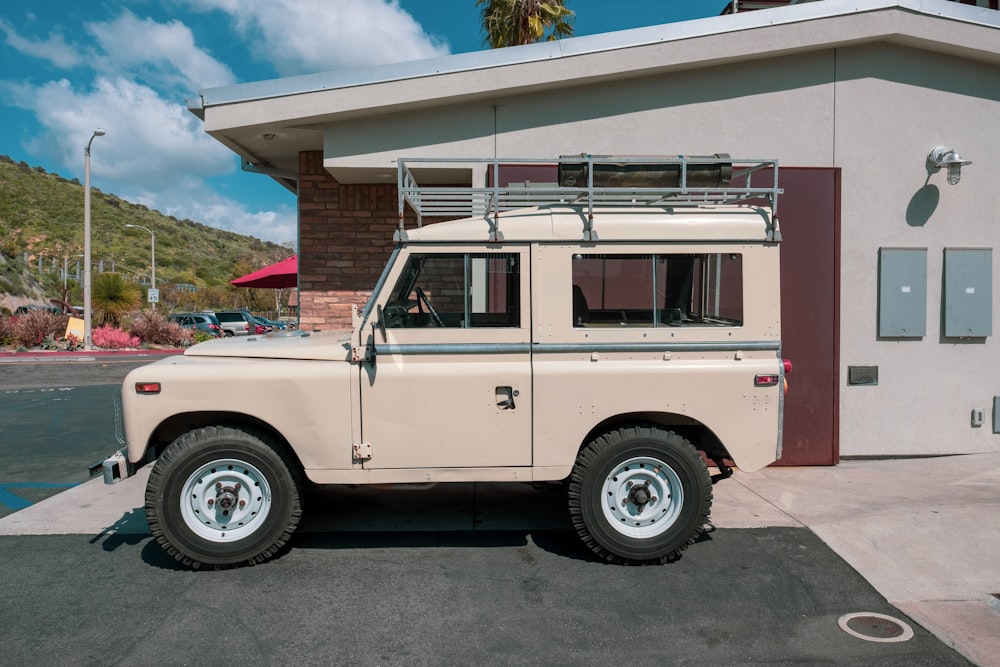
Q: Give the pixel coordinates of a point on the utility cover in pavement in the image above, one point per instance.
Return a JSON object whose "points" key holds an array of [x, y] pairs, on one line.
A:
{"points": [[875, 627]]}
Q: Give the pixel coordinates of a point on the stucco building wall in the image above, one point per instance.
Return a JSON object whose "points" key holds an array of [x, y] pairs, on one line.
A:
{"points": [[893, 104]]}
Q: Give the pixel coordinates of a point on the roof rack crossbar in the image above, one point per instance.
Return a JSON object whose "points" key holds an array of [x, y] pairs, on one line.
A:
{"points": [[585, 180]]}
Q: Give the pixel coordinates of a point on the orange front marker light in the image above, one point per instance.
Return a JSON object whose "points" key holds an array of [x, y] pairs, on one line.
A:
{"points": [[147, 387]]}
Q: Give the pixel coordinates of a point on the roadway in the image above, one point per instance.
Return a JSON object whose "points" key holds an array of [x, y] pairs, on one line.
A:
{"points": [[459, 575]]}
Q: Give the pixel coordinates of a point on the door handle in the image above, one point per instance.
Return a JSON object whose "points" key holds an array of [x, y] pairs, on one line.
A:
{"points": [[505, 398]]}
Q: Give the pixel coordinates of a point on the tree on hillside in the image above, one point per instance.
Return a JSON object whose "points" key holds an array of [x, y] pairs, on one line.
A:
{"points": [[516, 22]]}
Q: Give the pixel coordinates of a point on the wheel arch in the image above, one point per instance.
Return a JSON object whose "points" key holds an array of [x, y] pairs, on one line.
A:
{"points": [[697, 433], [176, 425]]}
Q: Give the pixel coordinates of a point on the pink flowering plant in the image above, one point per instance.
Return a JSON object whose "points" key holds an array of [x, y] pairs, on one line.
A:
{"points": [[111, 338]]}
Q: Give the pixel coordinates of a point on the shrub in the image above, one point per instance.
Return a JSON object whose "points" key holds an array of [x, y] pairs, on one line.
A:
{"points": [[113, 296], [7, 338], [112, 339], [32, 328], [154, 329], [200, 336]]}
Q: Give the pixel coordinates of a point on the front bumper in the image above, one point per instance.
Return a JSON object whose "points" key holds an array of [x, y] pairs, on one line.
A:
{"points": [[115, 468]]}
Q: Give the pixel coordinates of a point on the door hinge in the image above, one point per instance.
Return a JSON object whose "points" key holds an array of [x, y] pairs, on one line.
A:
{"points": [[361, 354], [362, 451]]}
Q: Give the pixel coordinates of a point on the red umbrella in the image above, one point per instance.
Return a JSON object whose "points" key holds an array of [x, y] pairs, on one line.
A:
{"points": [[283, 274]]}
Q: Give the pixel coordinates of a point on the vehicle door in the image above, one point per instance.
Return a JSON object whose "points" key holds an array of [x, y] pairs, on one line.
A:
{"points": [[449, 383]]}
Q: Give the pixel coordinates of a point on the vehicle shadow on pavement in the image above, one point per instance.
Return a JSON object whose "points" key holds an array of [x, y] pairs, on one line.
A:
{"points": [[560, 543], [131, 528], [563, 543], [454, 516]]}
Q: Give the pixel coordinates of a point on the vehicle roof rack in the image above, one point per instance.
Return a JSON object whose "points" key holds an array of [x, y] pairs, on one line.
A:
{"points": [[587, 181]]}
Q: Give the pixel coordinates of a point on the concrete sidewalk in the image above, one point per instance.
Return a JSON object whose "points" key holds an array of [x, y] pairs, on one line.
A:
{"points": [[923, 532]]}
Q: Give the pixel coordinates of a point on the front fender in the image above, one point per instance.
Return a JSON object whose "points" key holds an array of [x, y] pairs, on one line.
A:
{"points": [[307, 403]]}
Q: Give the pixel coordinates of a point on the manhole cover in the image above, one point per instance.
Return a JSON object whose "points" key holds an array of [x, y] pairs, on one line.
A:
{"points": [[875, 627]]}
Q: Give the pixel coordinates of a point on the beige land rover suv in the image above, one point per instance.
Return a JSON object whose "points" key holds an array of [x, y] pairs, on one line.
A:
{"points": [[614, 329]]}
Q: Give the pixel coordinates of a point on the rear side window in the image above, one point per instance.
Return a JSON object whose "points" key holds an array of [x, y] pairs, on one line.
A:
{"points": [[658, 290], [460, 290]]}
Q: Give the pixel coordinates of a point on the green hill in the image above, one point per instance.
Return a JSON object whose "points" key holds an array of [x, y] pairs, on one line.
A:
{"points": [[41, 217]]}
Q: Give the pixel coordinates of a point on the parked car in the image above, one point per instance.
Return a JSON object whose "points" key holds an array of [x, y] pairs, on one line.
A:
{"points": [[612, 349], [237, 322], [24, 310], [269, 325], [205, 322]]}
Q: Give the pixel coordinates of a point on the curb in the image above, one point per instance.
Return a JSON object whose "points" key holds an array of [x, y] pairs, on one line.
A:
{"points": [[81, 355]]}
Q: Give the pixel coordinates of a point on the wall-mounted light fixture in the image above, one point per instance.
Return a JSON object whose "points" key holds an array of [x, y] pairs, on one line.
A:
{"points": [[949, 158]]}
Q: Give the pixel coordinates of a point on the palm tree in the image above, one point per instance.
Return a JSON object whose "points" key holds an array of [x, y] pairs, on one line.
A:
{"points": [[516, 22]]}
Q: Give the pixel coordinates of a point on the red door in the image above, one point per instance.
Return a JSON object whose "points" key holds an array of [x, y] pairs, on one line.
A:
{"points": [[809, 216]]}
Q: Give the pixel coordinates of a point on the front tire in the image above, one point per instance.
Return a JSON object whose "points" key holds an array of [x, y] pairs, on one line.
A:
{"points": [[639, 494], [223, 496]]}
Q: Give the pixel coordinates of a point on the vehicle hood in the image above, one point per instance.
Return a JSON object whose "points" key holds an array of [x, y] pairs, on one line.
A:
{"points": [[296, 344]]}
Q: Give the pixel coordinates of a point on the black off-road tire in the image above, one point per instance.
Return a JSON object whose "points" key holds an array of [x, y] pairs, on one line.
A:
{"points": [[639, 495], [224, 496]]}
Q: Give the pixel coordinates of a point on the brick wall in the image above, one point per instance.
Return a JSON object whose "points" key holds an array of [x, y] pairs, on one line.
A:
{"points": [[345, 238]]}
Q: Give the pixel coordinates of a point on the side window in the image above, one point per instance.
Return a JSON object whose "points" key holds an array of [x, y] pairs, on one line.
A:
{"points": [[657, 290], [458, 290]]}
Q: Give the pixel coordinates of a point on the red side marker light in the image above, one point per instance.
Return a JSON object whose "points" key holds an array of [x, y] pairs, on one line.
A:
{"points": [[147, 387], [766, 380], [788, 365]]}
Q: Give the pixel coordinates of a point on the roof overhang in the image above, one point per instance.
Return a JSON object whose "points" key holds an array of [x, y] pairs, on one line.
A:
{"points": [[268, 123]]}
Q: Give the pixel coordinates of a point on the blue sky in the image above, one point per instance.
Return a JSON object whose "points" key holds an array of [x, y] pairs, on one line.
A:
{"points": [[128, 67]]}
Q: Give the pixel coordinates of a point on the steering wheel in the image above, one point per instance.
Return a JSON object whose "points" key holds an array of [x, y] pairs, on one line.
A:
{"points": [[422, 298]]}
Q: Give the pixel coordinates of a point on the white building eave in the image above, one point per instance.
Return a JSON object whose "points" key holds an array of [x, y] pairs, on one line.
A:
{"points": [[269, 123], [547, 52]]}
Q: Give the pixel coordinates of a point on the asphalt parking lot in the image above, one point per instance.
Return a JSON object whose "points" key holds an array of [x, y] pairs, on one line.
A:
{"points": [[56, 419], [457, 575]]}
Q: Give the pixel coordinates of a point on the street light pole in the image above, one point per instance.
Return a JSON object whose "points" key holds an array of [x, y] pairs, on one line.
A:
{"points": [[87, 319], [152, 235]]}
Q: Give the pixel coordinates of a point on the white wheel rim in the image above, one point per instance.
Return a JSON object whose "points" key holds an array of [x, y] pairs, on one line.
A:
{"points": [[623, 506], [225, 500]]}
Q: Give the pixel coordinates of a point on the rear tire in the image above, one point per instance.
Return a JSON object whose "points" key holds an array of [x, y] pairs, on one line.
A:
{"points": [[639, 494], [223, 496]]}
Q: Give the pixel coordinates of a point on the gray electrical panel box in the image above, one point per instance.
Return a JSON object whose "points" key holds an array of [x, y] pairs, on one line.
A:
{"points": [[968, 292], [902, 292]]}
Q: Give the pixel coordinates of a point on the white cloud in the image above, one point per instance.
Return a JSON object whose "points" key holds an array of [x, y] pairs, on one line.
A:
{"points": [[154, 153], [134, 73], [54, 49], [279, 226], [149, 141], [192, 199], [164, 52], [305, 36]]}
